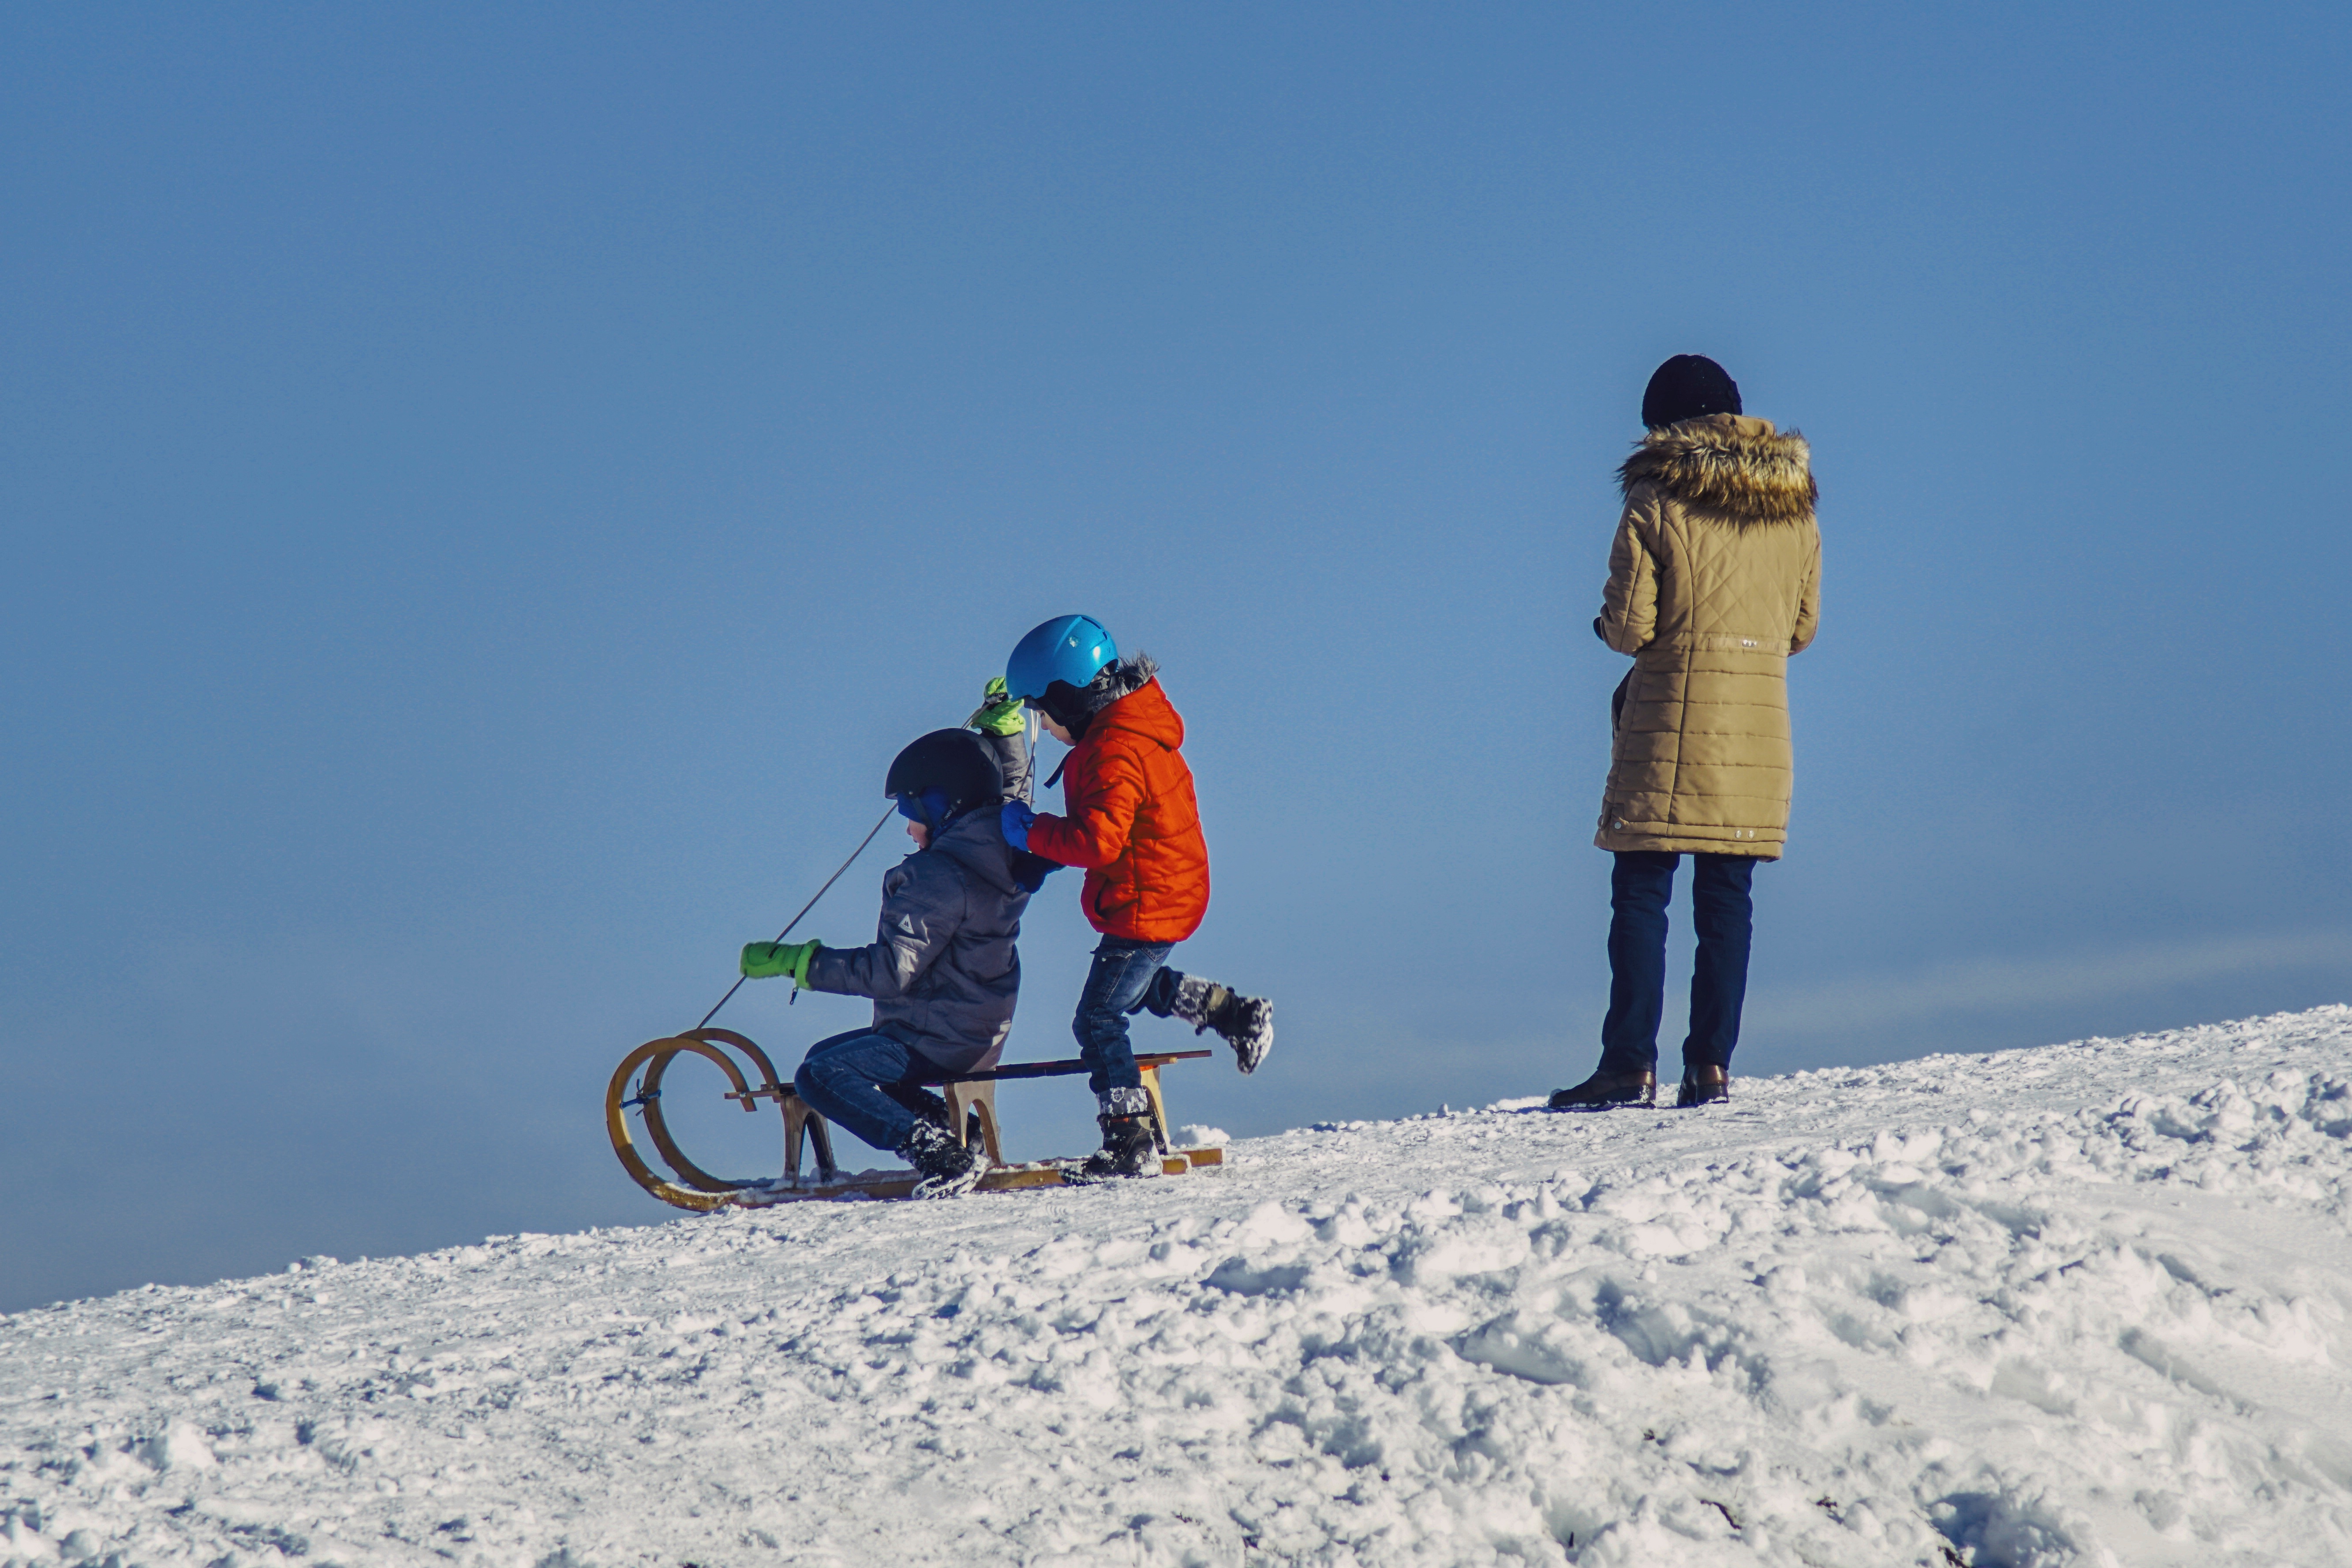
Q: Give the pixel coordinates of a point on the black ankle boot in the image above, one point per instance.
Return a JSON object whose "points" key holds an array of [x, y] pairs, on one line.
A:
{"points": [[946, 1168], [1245, 1023], [1606, 1091], [1708, 1085], [1129, 1150]]}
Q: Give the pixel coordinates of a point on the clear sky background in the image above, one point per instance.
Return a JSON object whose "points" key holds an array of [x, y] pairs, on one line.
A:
{"points": [[487, 490]]}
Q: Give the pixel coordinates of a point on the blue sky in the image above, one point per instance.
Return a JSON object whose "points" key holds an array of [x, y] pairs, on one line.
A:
{"points": [[488, 491]]}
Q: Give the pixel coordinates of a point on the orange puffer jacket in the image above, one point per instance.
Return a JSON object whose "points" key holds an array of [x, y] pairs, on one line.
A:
{"points": [[1132, 822]]}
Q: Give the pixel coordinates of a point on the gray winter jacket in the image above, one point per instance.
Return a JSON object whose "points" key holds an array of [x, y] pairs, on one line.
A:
{"points": [[943, 972]]}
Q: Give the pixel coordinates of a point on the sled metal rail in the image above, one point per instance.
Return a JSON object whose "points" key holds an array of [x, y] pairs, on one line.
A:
{"points": [[972, 1111]]}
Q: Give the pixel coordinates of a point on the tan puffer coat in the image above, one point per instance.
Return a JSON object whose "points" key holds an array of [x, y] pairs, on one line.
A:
{"points": [[1714, 580]]}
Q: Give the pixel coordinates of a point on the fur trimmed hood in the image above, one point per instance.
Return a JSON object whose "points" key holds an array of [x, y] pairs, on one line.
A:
{"points": [[1114, 681], [1124, 676], [1728, 463], [1119, 678], [1143, 709]]}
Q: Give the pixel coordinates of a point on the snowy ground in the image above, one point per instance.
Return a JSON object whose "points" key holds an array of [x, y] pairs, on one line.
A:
{"points": [[2081, 1304]]}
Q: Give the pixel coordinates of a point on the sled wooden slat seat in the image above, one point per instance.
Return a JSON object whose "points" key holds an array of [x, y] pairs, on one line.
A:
{"points": [[972, 1103]]}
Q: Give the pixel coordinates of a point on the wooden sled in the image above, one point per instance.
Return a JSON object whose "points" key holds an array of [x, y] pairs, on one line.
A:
{"points": [[971, 1111]]}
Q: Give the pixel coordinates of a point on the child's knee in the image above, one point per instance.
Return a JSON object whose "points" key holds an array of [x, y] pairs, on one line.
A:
{"points": [[809, 1082], [1095, 1025]]}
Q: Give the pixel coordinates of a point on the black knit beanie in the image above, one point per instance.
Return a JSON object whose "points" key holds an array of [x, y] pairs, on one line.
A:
{"points": [[1686, 387]]}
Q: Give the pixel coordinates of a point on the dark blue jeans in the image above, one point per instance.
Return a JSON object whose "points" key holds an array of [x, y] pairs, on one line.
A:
{"points": [[1638, 888], [1127, 977], [847, 1079]]}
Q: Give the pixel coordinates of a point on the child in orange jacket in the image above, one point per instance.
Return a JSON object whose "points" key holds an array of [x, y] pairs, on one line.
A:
{"points": [[1130, 821]]}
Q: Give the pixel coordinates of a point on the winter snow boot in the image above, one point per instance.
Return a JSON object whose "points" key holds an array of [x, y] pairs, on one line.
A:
{"points": [[933, 1108], [1703, 1086], [1604, 1091], [947, 1169], [1245, 1022], [1129, 1150]]}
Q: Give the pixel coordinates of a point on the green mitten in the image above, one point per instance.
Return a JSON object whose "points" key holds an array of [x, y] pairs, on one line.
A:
{"points": [[767, 960], [997, 714]]}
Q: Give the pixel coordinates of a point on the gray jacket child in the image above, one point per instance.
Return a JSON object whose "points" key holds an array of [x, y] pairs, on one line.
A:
{"points": [[942, 969]]}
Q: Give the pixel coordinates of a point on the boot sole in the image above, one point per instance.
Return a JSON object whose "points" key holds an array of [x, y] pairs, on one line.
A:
{"points": [[1074, 1175], [948, 1186], [1606, 1105]]}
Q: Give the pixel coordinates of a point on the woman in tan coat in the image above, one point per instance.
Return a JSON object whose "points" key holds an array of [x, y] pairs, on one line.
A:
{"points": [[1713, 581]]}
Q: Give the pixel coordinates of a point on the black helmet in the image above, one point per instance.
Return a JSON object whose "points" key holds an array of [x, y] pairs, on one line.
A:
{"points": [[955, 762]]}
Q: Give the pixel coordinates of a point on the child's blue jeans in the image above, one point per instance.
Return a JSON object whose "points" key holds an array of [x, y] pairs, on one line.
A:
{"points": [[1127, 977], [842, 1079]]}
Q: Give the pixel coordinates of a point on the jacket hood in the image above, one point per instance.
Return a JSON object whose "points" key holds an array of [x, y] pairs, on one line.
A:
{"points": [[1143, 709], [1118, 679], [975, 842], [1729, 464]]}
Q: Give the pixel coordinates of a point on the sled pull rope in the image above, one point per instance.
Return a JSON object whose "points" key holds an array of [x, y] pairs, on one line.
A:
{"points": [[795, 920]]}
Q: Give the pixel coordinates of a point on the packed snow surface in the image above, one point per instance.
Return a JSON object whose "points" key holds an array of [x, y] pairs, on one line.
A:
{"points": [[2080, 1304]]}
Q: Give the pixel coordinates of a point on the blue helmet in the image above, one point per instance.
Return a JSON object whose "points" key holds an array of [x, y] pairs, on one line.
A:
{"points": [[1072, 648]]}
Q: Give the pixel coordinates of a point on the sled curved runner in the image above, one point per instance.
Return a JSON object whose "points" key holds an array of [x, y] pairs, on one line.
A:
{"points": [[972, 1111], [702, 1190]]}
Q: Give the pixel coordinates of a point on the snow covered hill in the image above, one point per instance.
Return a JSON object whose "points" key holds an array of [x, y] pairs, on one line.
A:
{"points": [[2080, 1304]]}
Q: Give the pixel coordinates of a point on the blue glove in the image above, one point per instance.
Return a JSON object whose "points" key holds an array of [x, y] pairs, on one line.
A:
{"points": [[1015, 817]]}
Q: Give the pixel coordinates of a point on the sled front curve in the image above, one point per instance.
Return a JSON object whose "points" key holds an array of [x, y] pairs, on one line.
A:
{"points": [[618, 1103], [701, 1190]]}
